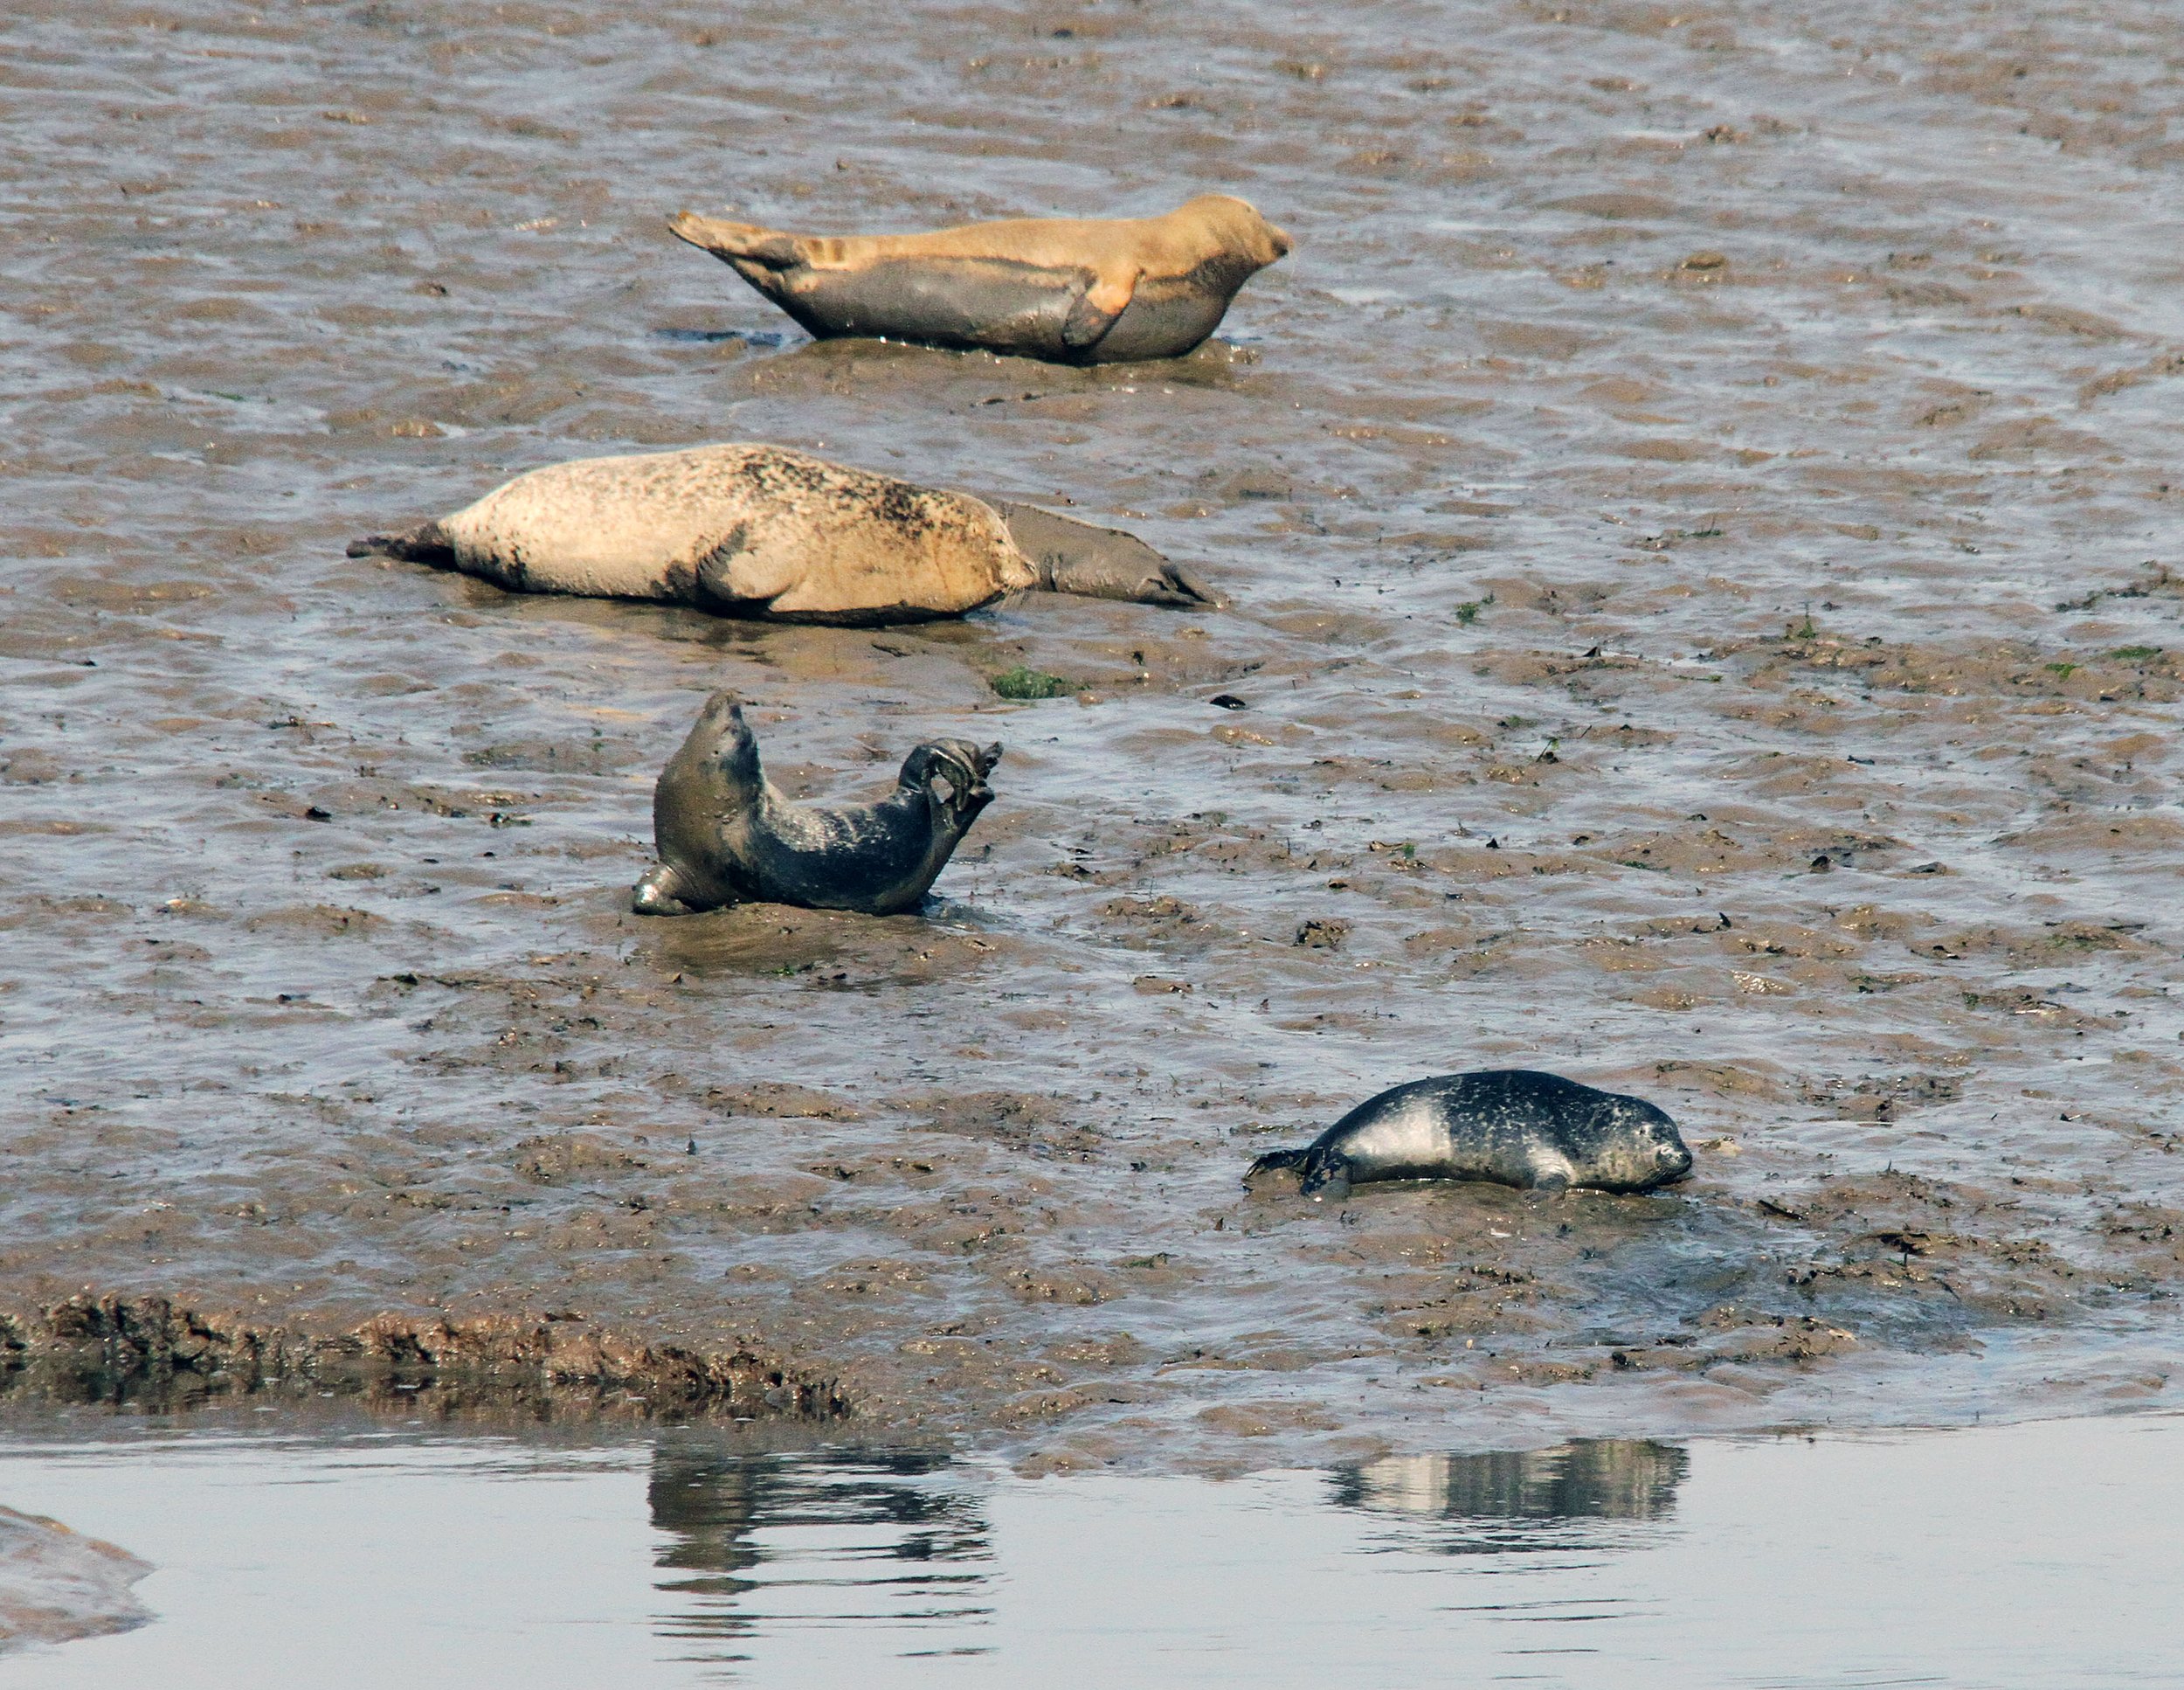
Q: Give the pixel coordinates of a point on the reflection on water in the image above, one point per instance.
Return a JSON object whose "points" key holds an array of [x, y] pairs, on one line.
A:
{"points": [[754, 1539], [2036, 1557], [1602, 1477], [900, 1540]]}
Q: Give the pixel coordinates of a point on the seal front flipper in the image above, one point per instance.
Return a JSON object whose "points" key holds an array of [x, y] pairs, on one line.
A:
{"points": [[1551, 1170], [1096, 310], [1275, 1161], [1098, 563], [1322, 1173]]}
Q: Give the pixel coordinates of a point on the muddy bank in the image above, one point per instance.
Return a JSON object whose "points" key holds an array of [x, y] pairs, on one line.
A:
{"points": [[1699, 513], [146, 1353]]}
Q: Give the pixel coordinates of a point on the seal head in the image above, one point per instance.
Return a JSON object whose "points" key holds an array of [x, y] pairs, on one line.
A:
{"points": [[1513, 1126], [725, 834]]}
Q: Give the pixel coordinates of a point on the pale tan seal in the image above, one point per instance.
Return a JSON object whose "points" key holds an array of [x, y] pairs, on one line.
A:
{"points": [[764, 531], [1072, 290]]}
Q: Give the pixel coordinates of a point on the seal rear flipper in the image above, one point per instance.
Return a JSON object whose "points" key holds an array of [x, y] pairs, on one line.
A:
{"points": [[1098, 563], [428, 542], [730, 241]]}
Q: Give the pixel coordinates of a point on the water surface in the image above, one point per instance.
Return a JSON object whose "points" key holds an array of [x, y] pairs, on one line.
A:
{"points": [[2036, 1555]]}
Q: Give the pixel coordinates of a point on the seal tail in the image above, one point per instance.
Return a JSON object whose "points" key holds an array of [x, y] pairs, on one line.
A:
{"points": [[730, 242], [428, 542]]}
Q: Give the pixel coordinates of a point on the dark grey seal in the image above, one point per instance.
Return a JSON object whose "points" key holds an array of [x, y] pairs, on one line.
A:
{"points": [[725, 835], [1509, 1125]]}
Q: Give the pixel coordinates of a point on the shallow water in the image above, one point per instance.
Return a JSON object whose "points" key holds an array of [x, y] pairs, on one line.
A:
{"points": [[1590, 594], [2036, 1555]]}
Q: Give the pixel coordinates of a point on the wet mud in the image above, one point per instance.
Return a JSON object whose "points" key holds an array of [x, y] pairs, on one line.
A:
{"points": [[1700, 517]]}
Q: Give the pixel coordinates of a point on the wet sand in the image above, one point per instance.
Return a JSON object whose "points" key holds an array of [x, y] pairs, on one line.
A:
{"points": [[1701, 511]]}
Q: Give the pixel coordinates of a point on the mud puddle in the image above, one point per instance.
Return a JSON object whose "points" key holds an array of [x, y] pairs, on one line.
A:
{"points": [[2036, 1555], [1701, 515]]}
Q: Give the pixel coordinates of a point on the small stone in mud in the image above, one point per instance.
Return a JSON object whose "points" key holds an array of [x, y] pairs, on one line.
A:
{"points": [[1228, 701]]}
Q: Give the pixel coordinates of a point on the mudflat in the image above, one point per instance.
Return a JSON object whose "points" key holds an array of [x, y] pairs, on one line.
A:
{"points": [[1701, 514]]}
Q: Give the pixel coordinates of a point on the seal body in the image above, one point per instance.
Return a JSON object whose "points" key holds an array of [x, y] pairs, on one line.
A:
{"points": [[757, 530], [725, 835], [1072, 290], [1510, 1126], [739, 530]]}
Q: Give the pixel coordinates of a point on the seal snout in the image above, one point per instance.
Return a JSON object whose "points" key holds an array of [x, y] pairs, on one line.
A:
{"points": [[1671, 1157]]}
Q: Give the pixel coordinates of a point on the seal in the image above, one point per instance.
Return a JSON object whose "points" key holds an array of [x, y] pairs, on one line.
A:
{"points": [[726, 836], [1511, 1125], [1070, 290], [754, 531]]}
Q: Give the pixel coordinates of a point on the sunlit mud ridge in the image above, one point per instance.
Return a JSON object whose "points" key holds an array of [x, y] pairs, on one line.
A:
{"points": [[148, 1351]]}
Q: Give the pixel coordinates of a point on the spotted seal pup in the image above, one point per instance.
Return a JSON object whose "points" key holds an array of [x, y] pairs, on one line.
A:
{"points": [[725, 835], [1070, 290], [1511, 1125], [764, 531]]}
